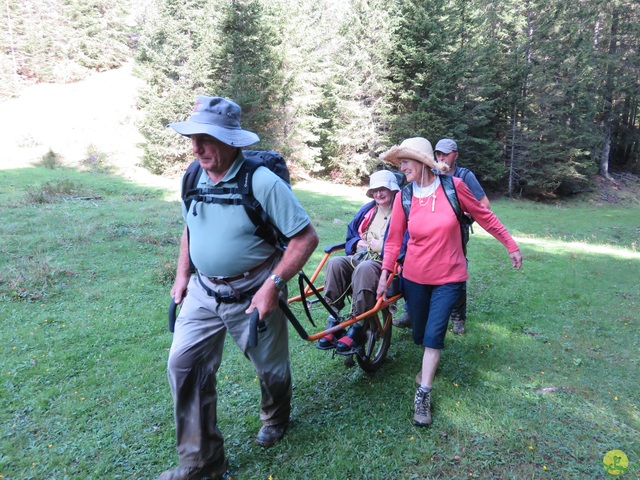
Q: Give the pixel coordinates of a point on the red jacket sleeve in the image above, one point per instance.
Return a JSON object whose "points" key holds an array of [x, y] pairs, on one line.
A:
{"points": [[485, 217]]}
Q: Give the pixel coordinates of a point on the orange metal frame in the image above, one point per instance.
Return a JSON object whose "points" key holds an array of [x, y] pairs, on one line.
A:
{"points": [[380, 304]]}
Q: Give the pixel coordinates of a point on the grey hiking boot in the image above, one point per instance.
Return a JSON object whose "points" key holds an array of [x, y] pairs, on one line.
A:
{"points": [[403, 322], [458, 326], [271, 434], [422, 408]]}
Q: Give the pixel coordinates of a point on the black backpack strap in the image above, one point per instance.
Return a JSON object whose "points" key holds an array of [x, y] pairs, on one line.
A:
{"points": [[254, 210], [191, 192], [189, 187], [407, 196], [190, 182], [264, 228], [463, 174], [465, 221], [450, 191]]}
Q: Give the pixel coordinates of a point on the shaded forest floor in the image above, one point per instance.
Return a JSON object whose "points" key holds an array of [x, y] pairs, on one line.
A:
{"points": [[623, 189]]}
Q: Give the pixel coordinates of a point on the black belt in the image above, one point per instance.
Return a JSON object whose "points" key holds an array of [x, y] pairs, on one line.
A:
{"points": [[225, 280], [229, 298]]}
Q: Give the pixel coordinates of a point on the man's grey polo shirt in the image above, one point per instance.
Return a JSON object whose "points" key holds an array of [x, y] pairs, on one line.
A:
{"points": [[221, 239]]}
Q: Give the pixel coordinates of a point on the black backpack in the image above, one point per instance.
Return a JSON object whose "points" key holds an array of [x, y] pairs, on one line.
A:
{"points": [[253, 159], [450, 192]]}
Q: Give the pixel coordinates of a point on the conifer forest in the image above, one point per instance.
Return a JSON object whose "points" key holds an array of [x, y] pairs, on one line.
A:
{"points": [[541, 95]]}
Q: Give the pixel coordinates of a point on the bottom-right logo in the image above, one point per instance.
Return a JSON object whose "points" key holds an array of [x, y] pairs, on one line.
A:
{"points": [[615, 462]]}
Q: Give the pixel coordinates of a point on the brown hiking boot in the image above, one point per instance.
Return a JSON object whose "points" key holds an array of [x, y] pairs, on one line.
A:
{"points": [[271, 434], [194, 473], [422, 408], [458, 326]]}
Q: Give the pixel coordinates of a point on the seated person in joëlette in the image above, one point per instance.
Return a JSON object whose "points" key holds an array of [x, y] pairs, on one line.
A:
{"points": [[358, 272]]}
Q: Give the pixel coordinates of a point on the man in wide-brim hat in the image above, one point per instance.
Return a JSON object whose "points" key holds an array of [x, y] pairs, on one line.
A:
{"points": [[237, 272]]}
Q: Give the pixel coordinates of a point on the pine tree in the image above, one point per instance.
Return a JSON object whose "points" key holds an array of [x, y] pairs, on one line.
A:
{"points": [[616, 38], [491, 51], [248, 65], [173, 50], [213, 48], [555, 128], [533, 91], [421, 81], [355, 113], [307, 65]]}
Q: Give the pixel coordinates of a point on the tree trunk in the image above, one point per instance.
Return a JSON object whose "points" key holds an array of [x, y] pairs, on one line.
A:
{"points": [[603, 167], [16, 78], [512, 159]]}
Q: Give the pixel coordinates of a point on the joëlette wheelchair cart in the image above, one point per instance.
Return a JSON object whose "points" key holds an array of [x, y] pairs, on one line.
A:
{"points": [[377, 321]]}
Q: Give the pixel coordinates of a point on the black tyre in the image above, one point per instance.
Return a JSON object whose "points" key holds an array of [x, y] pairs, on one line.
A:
{"points": [[375, 349]]}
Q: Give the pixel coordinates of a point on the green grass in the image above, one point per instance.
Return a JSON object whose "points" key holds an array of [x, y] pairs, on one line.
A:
{"points": [[543, 384]]}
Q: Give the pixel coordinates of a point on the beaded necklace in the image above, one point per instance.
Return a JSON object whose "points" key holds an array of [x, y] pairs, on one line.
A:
{"points": [[424, 193]]}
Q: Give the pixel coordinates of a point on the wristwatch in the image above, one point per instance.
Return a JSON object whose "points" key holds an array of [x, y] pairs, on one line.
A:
{"points": [[280, 283]]}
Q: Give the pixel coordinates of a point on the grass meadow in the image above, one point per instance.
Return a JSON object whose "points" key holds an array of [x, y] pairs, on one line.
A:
{"points": [[543, 385]]}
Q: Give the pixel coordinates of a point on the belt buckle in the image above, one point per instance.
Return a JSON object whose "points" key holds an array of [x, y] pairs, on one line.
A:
{"points": [[218, 280]]}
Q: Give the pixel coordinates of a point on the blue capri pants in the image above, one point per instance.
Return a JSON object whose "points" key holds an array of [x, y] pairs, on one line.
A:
{"points": [[430, 307]]}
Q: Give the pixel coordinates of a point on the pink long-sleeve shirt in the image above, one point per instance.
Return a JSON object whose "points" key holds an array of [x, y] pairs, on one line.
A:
{"points": [[434, 253]]}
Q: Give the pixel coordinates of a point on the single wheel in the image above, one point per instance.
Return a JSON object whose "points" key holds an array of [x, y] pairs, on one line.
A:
{"points": [[375, 349]]}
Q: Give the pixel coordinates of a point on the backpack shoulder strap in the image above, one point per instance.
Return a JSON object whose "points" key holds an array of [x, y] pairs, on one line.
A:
{"points": [[450, 192], [244, 179], [264, 228], [463, 172], [245, 175], [190, 182], [464, 220], [407, 195], [188, 193]]}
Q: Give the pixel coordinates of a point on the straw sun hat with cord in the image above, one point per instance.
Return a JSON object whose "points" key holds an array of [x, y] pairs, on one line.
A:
{"points": [[416, 148]]}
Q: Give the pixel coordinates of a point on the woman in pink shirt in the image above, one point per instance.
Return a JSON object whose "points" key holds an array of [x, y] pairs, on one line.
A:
{"points": [[434, 267]]}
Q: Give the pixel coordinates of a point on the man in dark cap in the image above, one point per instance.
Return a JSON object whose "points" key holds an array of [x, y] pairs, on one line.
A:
{"points": [[236, 272]]}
